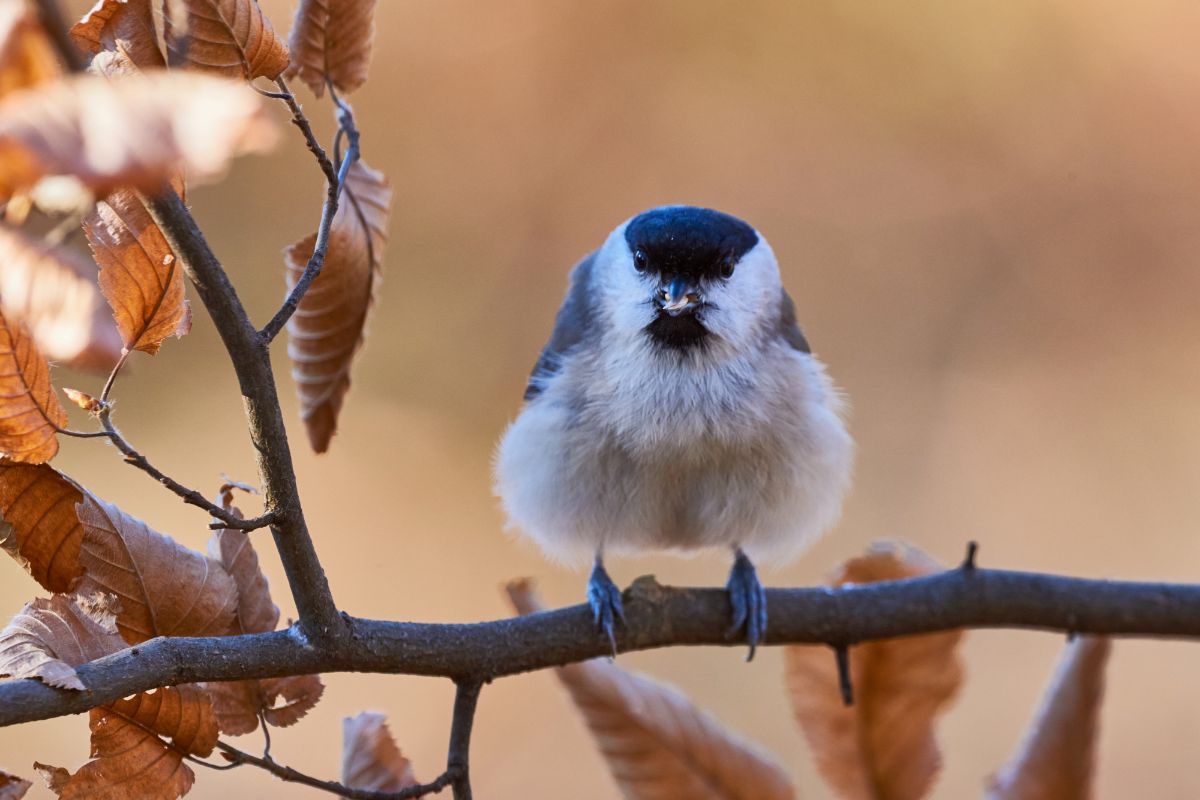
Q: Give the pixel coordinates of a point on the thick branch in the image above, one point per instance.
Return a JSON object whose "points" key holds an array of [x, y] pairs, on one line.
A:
{"points": [[656, 616], [251, 359]]}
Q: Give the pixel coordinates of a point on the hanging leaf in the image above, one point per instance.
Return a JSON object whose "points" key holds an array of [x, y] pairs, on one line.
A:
{"points": [[659, 746], [130, 758], [165, 589], [30, 414], [38, 525], [136, 131], [882, 747], [371, 759], [1056, 760], [120, 26], [328, 327], [238, 703], [26, 55], [232, 38], [331, 41], [140, 275], [49, 638], [12, 787], [52, 291]]}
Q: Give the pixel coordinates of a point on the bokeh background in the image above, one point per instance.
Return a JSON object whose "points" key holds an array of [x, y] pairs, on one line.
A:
{"points": [[988, 216]]}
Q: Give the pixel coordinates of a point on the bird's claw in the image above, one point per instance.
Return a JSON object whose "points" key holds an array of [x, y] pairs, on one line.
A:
{"points": [[605, 599], [749, 600]]}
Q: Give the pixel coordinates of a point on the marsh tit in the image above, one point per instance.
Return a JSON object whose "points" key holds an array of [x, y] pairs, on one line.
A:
{"points": [[677, 406]]}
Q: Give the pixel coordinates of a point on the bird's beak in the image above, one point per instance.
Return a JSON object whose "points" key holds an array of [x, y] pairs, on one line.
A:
{"points": [[678, 296]]}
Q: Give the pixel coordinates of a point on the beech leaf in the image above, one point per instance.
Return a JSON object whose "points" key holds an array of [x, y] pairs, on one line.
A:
{"points": [[328, 327], [331, 41], [30, 414], [164, 588], [12, 787], [52, 290], [136, 130], [371, 759], [49, 638], [658, 744], [130, 760], [882, 747], [1056, 759], [238, 703], [125, 27], [38, 525], [26, 55], [232, 38], [140, 275]]}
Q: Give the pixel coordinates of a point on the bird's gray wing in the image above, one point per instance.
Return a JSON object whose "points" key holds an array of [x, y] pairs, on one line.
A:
{"points": [[571, 327], [788, 328]]}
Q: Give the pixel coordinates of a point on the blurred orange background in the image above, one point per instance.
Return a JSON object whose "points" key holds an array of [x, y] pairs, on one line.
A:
{"points": [[988, 216]]}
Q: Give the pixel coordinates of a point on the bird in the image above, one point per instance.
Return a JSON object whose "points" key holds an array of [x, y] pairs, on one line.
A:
{"points": [[678, 407]]}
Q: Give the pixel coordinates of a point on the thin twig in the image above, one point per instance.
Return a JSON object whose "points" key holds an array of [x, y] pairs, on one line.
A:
{"points": [[238, 758], [190, 496], [112, 376], [845, 685], [458, 759]]}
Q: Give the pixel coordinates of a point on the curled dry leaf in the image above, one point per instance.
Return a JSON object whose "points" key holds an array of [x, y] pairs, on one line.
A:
{"points": [[30, 414], [1057, 757], [232, 38], [12, 787], [140, 275], [130, 758], [331, 41], [26, 55], [164, 588], [328, 327], [659, 746], [38, 525], [371, 758], [125, 27], [135, 131], [49, 638], [238, 703], [52, 290], [882, 747]]}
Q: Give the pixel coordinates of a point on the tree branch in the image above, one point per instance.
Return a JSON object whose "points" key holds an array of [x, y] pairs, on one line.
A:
{"points": [[656, 616], [238, 758], [458, 759], [334, 182], [54, 24], [251, 358]]}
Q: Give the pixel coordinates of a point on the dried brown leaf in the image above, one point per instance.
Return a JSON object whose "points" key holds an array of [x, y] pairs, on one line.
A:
{"points": [[38, 525], [52, 290], [49, 638], [370, 757], [30, 414], [55, 777], [658, 744], [164, 588], [12, 787], [331, 41], [136, 131], [232, 38], [130, 758], [1056, 759], [125, 27], [238, 703], [882, 747], [26, 55], [140, 275], [328, 328]]}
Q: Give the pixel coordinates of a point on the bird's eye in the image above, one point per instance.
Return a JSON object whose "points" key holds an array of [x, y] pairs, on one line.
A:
{"points": [[640, 261], [727, 268]]}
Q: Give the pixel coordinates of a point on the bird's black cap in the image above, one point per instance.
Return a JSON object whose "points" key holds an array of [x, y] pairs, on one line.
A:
{"points": [[690, 241]]}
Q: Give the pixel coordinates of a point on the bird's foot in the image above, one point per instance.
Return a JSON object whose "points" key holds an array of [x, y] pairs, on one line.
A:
{"points": [[749, 600], [605, 599]]}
